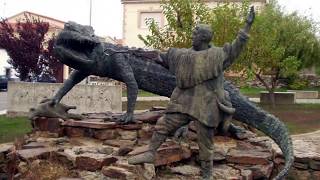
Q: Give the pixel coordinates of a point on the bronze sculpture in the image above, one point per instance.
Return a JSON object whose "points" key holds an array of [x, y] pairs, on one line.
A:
{"points": [[77, 47], [199, 95]]}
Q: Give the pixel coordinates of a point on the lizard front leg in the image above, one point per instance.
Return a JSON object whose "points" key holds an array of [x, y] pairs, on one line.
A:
{"points": [[128, 78], [75, 77]]}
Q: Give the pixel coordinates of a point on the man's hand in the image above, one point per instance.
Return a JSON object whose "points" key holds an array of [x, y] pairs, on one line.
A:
{"points": [[251, 16]]}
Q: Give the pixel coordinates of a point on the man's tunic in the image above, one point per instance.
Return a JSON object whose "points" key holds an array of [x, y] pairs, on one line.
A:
{"points": [[199, 92]]}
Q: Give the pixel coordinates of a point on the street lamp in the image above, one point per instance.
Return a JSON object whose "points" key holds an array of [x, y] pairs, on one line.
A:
{"points": [[90, 12]]}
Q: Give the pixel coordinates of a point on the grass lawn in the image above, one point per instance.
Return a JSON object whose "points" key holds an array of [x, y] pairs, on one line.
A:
{"points": [[141, 93], [299, 118], [11, 128], [254, 92], [247, 91]]}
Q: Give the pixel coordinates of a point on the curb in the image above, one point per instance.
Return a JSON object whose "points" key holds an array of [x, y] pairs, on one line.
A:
{"points": [[2, 112]]}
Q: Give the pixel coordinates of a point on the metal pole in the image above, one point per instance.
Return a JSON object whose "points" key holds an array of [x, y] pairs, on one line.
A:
{"points": [[90, 12], [4, 9], [90, 15]]}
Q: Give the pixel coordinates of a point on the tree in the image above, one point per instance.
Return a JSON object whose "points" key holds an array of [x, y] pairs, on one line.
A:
{"points": [[280, 46], [183, 15], [29, 49]]}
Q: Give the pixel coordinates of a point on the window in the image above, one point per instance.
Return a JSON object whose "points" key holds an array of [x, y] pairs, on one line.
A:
{"points": [[145, 16]]}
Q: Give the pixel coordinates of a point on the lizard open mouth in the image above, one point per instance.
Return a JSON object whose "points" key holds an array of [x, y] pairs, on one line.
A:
{"points": [[75, 43]]}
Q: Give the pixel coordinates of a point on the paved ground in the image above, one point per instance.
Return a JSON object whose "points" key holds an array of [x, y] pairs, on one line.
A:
{"points": [[3, 101]]}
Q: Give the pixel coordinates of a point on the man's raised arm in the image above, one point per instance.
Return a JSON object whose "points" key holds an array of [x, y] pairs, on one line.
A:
{"points": [[233, 50]]}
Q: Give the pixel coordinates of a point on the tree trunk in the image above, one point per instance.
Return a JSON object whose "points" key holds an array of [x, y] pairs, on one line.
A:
{"points": [[272, 98]]}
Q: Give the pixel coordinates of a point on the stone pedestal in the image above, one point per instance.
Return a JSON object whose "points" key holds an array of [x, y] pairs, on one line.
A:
{"points": [[98, 148]]}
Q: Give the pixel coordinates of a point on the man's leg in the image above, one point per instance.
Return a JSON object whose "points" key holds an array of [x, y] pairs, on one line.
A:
{"points": [[165, 126], [205, 141]]}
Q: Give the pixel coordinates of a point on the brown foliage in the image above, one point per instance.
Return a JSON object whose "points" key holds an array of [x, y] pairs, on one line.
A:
{"points": [[30, 51]]}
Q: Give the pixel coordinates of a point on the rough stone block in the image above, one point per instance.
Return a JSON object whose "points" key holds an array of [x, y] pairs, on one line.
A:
{"points": [[124, 150], [296, 174], [89, 124], [93, 163], [262, 171], [52, 125], [128, 135], [170, 154], [280, 97], [31, 154], [226, 172], [149, 117], [246, 174], [305, 94], [33, 145], [186, 170], [135, 126], [249, 157], [64, 158], [118, 173], [74, 131], [166, 154], [119, 143], [315, 165], [145, 133], [106, 134], [315, 175]]}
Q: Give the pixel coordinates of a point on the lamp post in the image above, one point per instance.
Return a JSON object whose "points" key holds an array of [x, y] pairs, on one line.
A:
{"points": [[4, 9], [90, 15], [90, 12]]}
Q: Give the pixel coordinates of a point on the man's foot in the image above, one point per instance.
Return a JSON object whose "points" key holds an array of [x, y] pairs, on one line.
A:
{"points": [[146, 157]]}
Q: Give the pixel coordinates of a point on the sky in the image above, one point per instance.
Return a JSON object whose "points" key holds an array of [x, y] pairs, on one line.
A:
{"points": [[107, 14]]}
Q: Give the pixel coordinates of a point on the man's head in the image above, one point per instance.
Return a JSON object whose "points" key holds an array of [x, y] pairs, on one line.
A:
{"points": [[201, 37]]}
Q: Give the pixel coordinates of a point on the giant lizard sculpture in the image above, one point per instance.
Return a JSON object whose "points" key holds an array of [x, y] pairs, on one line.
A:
{"points": [[78, 47]]}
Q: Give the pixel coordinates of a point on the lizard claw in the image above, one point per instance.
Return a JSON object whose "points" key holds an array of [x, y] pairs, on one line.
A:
{"points": [[126, 118]]}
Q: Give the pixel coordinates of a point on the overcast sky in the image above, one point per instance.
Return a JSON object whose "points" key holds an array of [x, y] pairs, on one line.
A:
{"points": [[107, 14]]}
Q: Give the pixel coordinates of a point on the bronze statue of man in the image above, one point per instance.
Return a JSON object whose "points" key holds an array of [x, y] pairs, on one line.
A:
{"points": [[199, 95]]}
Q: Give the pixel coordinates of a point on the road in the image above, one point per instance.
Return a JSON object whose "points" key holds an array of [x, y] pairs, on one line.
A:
{"points": [[3, 101]]}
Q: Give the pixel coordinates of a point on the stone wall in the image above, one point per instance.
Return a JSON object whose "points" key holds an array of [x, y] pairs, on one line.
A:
{"points": [[98, 148], [88, 98]]}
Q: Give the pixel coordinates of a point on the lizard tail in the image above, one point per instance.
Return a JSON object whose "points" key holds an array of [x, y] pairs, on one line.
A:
{"points": [[252, 115]]}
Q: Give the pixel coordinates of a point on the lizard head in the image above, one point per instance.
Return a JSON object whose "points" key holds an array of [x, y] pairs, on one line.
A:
{"points": [[75, 44]]}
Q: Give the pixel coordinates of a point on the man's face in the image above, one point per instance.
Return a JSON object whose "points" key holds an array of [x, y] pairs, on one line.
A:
{"points": [[199, 38], [196, 38]]}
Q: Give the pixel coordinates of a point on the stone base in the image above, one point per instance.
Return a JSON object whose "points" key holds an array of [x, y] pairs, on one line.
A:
{"points": [[280, 97], [98, 148], [305, 94]]}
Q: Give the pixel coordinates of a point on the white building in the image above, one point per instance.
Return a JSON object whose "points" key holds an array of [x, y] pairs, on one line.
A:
{"points": [[135, 12]]}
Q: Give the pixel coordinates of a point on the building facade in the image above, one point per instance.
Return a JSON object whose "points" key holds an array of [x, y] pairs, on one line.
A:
{"points": [[135, 13]]}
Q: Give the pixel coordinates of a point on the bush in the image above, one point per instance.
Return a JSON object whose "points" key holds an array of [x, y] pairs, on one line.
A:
{"points": [[298, 84]]}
